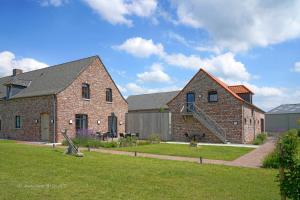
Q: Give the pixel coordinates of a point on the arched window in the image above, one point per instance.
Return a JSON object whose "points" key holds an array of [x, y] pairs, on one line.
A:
{"points": [[85, 91]]}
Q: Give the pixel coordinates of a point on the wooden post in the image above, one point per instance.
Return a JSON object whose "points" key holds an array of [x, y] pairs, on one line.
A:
{"points": [[201, 160], [281, 171], [135, 153]]}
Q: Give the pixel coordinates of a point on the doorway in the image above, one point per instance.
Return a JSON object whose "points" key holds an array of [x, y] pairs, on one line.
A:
{"points": [[262, 125], [113, 125], [45, 125], [81, 123], [190, 101]]}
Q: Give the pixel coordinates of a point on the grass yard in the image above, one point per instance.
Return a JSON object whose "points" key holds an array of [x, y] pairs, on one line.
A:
{"points": [[31, 172], [209, 152]]}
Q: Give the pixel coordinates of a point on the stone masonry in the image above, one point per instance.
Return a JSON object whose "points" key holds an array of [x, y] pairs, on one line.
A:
{"points": [[227, 112]]}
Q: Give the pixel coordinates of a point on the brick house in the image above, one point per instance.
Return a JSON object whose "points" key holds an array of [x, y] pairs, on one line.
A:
{"points": [[206, 109], [78, 95]]}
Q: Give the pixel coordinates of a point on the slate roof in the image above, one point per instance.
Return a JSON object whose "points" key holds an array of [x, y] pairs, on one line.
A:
{"points": [[46, 81], [285, 108], [150, 101]]}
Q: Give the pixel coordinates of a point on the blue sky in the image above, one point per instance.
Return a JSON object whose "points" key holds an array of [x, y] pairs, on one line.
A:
{"points": [[151, 46]]}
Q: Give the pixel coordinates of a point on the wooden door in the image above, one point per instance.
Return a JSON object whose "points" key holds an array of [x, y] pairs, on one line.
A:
{"points": [[45, 121]]}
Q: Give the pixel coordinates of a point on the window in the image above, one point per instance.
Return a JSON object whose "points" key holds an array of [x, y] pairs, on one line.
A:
{"points": [[85, 91], [250, 122], [81, 123], [108, 95], [190, 101], [245, 121], [212, 96], [18, 122]]}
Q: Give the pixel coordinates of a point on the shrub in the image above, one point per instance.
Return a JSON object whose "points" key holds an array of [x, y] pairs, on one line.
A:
{"points": [[193, 143], [93, 143], [289, 162], [271, 160], [127, 142], [154, 138], [260, 139], [142, 142]]}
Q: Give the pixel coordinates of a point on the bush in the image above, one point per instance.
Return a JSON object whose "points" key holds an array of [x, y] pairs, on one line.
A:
{"points": [[272, 160], [154, 138], [260, 139], [93, 143], [289, 162], [142, 142], [127, 142]]}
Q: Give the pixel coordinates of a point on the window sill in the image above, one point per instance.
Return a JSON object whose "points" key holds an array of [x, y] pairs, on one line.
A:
{"points": [[86, 99], [108, 102]]}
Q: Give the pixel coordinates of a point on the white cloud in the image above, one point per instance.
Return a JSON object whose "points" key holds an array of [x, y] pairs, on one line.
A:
{"points": [[240, 25], [122, 89], [156, 74], [287, 96], [140, 47], [55, 3], [213, 49], [134, 88], [297, 67], [178, 38], [224, 65], [8, 61], [116, 11]]}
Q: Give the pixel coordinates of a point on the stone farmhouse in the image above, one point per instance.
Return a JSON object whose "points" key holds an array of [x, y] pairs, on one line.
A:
{"points": [[206, 110], [78, 95]]}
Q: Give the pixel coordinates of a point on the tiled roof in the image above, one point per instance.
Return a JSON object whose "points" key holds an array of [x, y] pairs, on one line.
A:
{"points": [[240, 89]]}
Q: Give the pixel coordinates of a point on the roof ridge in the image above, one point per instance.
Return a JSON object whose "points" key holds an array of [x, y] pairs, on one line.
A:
{"points": [[154, 93]]}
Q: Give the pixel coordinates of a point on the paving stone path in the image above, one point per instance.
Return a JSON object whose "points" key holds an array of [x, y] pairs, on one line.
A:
{"points": [[252, 159]]}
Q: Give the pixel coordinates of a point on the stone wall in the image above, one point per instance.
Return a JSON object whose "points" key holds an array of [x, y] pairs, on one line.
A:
{"points": [[252, 123], [227, 111]]}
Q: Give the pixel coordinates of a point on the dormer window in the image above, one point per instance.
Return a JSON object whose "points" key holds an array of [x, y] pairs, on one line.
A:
{"points": [[108, 94], [212, 96], [85, 91]]}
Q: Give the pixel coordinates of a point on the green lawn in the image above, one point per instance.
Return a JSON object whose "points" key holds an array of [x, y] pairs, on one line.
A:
{"points": [[31, 172], [209, 152]]}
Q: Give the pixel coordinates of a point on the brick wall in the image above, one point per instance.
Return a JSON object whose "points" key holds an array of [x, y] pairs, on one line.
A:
{"points": [[227, 112], [70, 102], [29, 109]]}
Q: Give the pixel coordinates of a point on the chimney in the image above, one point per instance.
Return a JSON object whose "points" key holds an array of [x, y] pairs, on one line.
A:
{"points": [[17, 72]]}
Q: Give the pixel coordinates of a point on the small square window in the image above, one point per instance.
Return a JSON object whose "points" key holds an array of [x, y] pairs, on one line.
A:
{"points": [[212, 96], [18, 122], [109, 95]]}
